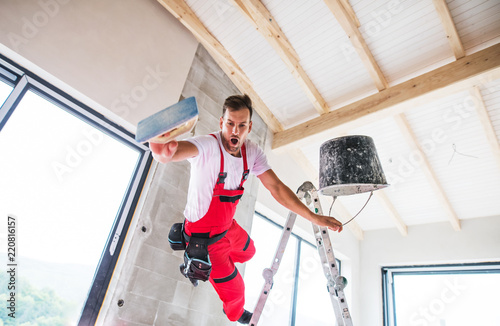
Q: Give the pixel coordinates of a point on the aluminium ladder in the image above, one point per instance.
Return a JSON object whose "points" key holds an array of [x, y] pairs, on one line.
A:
{"points": [[335, 282]]}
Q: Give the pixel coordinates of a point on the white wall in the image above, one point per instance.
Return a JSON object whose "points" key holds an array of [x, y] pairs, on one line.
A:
{"points": [[131, 57], [478, 241]]}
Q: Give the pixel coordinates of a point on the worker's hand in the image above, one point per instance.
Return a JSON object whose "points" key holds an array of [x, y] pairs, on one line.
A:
{"points": [[164, 153], [328, 221]]}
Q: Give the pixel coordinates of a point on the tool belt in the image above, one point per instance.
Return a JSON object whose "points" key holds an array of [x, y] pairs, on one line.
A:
{"points": [[176, 238], [197, 265]]}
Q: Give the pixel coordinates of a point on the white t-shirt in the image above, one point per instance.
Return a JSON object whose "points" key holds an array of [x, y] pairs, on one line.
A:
{"points": [[205, 169]]}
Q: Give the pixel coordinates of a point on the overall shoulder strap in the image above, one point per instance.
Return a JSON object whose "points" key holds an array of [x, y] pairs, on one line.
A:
{"points": [[246, 171], [222, 175]]}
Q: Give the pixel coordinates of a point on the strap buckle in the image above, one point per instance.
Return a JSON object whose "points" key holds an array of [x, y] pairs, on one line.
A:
{"points": [[222, 177], [245, 175]]}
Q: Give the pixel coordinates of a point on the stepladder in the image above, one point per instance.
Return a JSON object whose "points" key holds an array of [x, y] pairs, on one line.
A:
{"points": [[335, 282]]}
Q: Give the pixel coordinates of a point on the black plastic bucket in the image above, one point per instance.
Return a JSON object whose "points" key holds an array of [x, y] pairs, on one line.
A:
{"points": [[349, 165]]}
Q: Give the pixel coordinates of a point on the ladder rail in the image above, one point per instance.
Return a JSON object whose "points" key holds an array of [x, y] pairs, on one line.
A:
{"points": [[329, 277], [335, 283], [269, 273]]}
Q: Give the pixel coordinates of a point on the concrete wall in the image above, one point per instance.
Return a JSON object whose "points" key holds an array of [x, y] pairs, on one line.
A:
{"points": [[478, 241], [126, 59], [149, 282]]}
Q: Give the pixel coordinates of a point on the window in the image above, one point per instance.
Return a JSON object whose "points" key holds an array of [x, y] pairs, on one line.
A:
{"points": [[299, 294], [7, 80], [314, 305], [70, 180], [444, 295], [4, 91]]}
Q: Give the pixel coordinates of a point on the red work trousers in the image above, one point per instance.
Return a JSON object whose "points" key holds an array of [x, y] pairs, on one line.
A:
{"points": [[235, 247]]}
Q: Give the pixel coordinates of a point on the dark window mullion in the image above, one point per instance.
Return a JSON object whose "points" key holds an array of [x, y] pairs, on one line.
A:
{"points": [[385, 299], [7, 77], [8, 72], [13, 100], [295, 290], [389, 299], [393, 299]]}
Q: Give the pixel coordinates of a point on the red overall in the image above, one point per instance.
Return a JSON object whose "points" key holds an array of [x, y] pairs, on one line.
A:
{"points": [[235, 247]]}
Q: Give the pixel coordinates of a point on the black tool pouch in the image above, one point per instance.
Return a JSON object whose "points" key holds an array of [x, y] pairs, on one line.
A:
{"points": [[197, 264], [176, 237]]}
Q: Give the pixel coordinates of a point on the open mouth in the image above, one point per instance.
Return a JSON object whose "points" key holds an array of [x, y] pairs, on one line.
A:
{"points": [[234, 141]]}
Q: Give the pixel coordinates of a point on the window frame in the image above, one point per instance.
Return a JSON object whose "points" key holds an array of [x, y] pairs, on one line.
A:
{"points": [[388, 272], [23, 81]]}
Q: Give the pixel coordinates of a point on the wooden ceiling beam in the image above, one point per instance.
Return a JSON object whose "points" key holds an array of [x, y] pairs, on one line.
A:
{"points": [[350, 26], [450, 28], [260, 17], [391, 211], [412, 141], [478, 67], [265, 23], [180, 10], [486, 123], [352, 15]]}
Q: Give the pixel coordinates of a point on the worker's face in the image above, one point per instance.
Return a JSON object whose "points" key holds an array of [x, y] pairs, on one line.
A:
{"points": [[235, 126]]}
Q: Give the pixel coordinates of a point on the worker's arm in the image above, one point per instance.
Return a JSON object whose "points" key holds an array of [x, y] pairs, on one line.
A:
{"points": [[286, 197], [173, 151]]}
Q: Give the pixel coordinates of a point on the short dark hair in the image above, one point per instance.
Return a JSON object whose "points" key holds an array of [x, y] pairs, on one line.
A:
{"points": [[238, 102]]}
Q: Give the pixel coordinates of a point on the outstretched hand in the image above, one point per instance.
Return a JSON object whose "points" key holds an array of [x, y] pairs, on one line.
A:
{"points": [[329, 222], [164, 153]]}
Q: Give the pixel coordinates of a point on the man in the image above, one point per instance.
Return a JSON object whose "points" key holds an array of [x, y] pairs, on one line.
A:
{"points": [[220, 164]]}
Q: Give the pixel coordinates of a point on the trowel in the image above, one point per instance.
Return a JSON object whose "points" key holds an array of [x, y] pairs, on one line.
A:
{"points": [[171, 123]]}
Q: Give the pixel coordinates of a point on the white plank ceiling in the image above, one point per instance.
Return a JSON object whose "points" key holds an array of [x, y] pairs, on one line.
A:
{"points": [[311, 68]]}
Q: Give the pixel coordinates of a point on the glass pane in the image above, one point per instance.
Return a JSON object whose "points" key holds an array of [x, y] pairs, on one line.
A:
{"points": [[314, 306], [278, 306], [4, 91], [64, 181], [447, 299]]}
